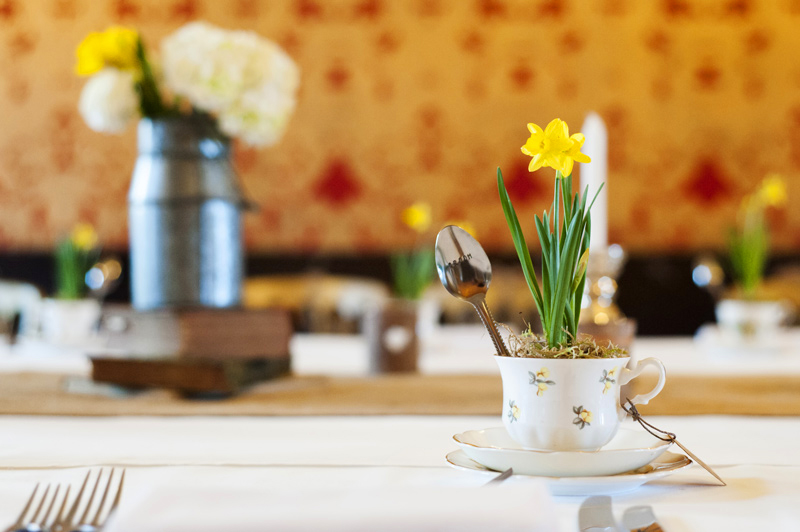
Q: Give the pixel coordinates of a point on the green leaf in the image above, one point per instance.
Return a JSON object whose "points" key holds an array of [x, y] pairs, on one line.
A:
{"points": [[519, 243]]}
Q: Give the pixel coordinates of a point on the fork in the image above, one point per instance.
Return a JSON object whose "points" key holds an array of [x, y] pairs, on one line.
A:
{"points": [[86, 523], [68, 522], [33, 523]]}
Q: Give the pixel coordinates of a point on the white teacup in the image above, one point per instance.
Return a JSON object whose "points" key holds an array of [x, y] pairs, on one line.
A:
{"points": [[568, 404]]}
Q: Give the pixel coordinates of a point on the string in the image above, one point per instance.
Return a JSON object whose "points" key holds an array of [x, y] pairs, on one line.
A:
{"points": [[647, 426]]}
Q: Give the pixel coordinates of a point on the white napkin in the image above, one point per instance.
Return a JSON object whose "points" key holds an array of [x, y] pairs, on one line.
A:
{"points": [[505, 507]]}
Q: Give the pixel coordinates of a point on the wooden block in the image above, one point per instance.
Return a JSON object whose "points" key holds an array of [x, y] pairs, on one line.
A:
{"points": [[188, 375], [219, 334], [225, 334]]}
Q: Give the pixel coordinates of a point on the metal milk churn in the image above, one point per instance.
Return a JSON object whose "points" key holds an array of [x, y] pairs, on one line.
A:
{"points": [[184, 216]]}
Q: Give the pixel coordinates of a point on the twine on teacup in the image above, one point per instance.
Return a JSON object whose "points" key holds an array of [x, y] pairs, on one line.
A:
{"points": [[663, 435]]}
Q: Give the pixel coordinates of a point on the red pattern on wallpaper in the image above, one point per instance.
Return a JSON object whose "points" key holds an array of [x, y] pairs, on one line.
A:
{"points": [[421, 100]]}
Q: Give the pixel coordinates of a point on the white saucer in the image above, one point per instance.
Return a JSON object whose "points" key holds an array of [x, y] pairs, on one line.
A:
{"points": [[665, 465], [494, 448], [715, 342]]}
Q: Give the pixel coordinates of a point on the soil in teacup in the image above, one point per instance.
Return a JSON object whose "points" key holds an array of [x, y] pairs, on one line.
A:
{"points": [[532, 345]]}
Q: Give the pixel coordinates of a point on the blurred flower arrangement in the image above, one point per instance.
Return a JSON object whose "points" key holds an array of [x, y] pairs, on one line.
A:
{"points": [[748, 242], [75, 256], [412, 271], [563, 233], [247, 83]]}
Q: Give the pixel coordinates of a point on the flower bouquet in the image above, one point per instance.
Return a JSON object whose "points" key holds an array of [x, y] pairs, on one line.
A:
{"points": [[248, 84], [185, 202], [561, 392]]}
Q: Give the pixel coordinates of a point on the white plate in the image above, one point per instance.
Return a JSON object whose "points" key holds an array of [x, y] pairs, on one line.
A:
{"points": [[665, 465], [494, 448]]}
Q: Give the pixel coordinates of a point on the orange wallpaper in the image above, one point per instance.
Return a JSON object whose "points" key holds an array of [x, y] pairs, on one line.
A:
{"points": [[407, 100]]}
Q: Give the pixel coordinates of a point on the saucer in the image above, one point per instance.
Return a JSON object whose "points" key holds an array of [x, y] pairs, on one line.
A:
{"points": [[664, 465], [628, 450]]}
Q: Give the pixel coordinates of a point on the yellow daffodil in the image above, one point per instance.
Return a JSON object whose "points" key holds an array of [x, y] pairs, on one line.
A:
{"points": [[773, 191], [586, 416], [553, 147], [541, 387], [115, 47], [543, 373], [417, 217], [84, 237]]}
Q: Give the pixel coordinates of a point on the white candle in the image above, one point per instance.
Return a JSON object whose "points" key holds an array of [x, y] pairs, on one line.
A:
{"points": [[593, 175]]}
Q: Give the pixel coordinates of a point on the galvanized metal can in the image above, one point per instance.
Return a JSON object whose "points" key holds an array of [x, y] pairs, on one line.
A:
{"points": [[184, 216]]}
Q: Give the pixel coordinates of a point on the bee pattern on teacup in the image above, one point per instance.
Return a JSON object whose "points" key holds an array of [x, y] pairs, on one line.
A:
{"points": [[609, 378], [513, 411], [584, 417], [540, 379]]}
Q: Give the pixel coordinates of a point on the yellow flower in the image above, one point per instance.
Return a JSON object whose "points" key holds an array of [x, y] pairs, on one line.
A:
{"points": [[542, 387], [515, 411], [607, 386], [418, 217], [115, 47], [543, 373], [84, 237], [773, 191], [554, 148], [613, 373], [586, 416]]}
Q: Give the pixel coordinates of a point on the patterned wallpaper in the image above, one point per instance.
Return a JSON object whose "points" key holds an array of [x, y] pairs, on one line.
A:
{"points": [[420, 100]]}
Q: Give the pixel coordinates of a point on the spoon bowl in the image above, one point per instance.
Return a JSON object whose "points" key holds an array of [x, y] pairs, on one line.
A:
{"points": [[465, 272]]}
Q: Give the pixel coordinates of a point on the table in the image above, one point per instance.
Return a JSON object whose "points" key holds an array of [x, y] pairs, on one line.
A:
{"points": [[757, 456], [457, 376]]}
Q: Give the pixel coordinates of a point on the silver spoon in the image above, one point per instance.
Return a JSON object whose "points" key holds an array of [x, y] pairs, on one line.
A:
{"points": [[465, 271]]}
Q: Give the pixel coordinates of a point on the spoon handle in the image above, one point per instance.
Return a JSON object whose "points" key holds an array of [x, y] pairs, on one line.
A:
{"points": [[491, 326]]}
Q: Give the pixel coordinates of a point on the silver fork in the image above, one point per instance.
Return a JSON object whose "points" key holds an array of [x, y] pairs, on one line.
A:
{"points": [[86, 523], [34, 523]]}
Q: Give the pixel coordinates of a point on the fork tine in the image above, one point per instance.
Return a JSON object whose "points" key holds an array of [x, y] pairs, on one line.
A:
{"points": [[82, 520], [115, 503], [21, 518], [41, 505], [52, 505], [58, 518], [67, 522], [96, 521], [119, 493]]}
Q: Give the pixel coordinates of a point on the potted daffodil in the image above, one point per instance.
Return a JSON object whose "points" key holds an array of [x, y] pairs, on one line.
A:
{"points": [[749, 314], [561, 391], [70, 317], [392, 328]]}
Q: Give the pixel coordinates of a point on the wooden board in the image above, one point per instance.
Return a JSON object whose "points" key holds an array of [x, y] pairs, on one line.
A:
{"points": [[188, 375]]}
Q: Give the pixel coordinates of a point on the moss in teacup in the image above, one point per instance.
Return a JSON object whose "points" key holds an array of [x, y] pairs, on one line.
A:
{"points": [[532, 345]]}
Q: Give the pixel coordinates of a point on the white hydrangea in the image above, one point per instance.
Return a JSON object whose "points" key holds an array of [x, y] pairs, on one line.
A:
{"points": [[109, 102], [249, 83]]}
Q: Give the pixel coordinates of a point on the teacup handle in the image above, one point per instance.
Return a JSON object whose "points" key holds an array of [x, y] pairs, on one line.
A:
{"points": [[629, 374]]}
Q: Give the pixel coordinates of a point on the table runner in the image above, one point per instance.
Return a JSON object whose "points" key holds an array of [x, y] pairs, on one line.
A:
{"points": [[45, 394]]}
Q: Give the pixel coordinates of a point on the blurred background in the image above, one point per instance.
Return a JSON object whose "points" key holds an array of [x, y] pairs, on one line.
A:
{"points": [[420, 101]]}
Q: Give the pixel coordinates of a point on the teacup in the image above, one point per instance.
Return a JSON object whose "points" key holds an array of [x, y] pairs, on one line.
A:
{"points": [[568, 404]]}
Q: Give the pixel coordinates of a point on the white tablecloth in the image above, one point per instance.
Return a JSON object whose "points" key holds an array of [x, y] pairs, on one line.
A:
{"points": [[757, 456]]}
